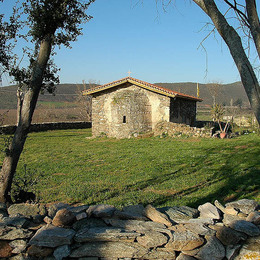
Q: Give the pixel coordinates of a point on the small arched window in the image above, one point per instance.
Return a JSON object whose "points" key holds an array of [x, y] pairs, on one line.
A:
{"points": [[124, 119]]}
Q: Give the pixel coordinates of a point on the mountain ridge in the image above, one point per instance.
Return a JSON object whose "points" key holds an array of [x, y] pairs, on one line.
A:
{"points": [[69, 92]]}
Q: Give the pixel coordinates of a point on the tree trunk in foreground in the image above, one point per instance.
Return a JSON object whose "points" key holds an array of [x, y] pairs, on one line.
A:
{"points": [[27, 109], [233, 41], [254, 23]]}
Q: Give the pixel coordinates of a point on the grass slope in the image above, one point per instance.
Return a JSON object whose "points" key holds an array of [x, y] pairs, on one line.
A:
{"points": [[163, 172]]}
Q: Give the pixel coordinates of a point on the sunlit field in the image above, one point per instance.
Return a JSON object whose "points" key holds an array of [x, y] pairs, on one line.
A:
{"points": [[69, 166]]}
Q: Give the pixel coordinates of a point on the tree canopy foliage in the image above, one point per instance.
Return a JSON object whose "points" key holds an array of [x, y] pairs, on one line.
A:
{"points": [[30, 23], [42, 25]]}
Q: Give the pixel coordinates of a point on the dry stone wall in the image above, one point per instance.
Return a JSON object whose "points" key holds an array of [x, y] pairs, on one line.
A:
{"points": [[61, 231], [164, 129], [10, 129]]}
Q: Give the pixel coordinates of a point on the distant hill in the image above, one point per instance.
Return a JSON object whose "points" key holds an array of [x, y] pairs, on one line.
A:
{"points": [[68, 93], [224, 93], [63, 93]]}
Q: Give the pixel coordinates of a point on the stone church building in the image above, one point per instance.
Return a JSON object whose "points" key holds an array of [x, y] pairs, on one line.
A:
{"points": [[129, 106]]}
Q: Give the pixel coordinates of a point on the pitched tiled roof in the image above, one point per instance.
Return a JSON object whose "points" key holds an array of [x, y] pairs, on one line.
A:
{"points": [[142, 84]]}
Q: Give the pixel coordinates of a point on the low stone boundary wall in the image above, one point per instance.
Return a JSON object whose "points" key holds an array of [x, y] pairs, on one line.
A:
{"points": [[10, 129], [177, 130], [60, 231]]}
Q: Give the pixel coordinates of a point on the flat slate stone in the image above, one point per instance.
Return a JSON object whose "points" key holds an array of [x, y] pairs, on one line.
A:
{"points": [[110, 250], [156, 216], [14, 221], [191, 252], [78, 209], [104, 234], [135, 225], [200, 229], [152, 239], [185, 240], [18, 246], [81, 215], [136, 210], [229, 236], [50, 236], [39, 252], [212, 250], [246, 227], [232, 251], [19, 257], [232, 211], [228, 218], [12, 233], [101, 211], [88, 222], [219, 206], [207, 221], [160, 253], [208, 210], [27, 210], [228, 210], [250, 249], [180, 214], [125, 215], [244, 205], [253, 244], [61, 252], [254, 217], [185, 257]]}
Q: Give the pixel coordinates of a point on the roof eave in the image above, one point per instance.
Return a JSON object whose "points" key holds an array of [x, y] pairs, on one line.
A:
{"points": [[190, 98], [151, 89], [102, 88]]}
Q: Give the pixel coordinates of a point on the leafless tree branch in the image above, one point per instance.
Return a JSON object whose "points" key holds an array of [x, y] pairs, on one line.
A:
{"points": [[240, 14]]}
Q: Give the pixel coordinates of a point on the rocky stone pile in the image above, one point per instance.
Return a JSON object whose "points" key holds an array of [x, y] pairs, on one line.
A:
{"points": [[61, 231], [164, 128]]}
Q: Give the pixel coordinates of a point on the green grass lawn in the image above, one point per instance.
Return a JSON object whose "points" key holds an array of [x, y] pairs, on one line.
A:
{"points": [[161, 171]]}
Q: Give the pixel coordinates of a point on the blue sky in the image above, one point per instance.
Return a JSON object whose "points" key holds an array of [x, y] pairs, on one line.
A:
{"points": [[156, 46]]}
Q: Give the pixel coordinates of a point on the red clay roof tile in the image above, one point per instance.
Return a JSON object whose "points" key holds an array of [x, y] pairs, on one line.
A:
{"points": [[152, 87]]}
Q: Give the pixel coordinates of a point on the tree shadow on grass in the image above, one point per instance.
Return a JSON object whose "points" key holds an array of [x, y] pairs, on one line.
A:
{"points": [[157, 180], [236, 177], [237, 185], [138, 185]]}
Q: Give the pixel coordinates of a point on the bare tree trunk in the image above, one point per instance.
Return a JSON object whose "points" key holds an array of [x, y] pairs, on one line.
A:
{"points": [[233, 41], [19, 94], [27, 107], [254, 23]]}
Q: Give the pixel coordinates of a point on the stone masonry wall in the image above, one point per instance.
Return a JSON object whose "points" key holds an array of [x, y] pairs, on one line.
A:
{"points": [[60, 231], [164, 128], [124, 111]]}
